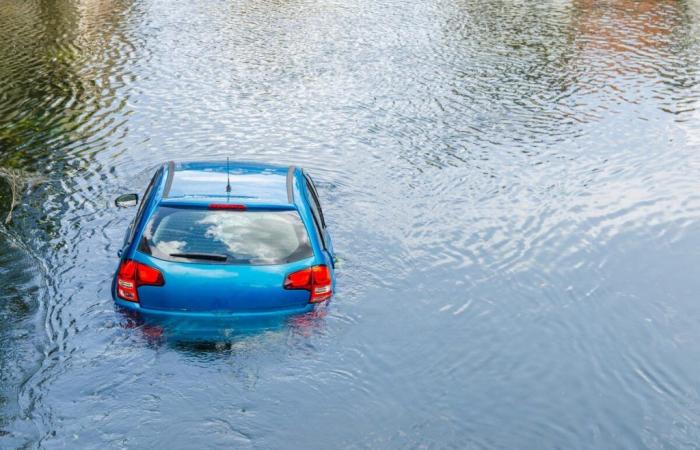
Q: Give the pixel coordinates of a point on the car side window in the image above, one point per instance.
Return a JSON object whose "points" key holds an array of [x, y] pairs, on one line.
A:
{"points": [[314, 199], [314, 212], [142, 206]]}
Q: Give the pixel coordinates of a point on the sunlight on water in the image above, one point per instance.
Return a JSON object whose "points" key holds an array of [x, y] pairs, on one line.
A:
{"points": [[512, 188]]}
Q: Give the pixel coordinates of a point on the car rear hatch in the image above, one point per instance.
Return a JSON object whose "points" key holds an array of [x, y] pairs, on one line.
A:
{"points": [[225, 258], [222, 288]]}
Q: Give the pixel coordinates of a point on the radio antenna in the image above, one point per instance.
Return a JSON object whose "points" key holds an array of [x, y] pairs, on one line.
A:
{"points": [[228, 177]]}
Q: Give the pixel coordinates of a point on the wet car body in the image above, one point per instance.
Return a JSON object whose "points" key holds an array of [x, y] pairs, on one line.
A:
{"points": [[212, 201]]}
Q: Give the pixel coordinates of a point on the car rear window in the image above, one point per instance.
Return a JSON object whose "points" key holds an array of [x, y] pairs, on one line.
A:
{"points": [[226, 237]]}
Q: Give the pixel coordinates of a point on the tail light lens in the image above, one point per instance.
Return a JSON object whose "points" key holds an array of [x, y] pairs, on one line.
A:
{"points": [[316, 280], [133, 274]]}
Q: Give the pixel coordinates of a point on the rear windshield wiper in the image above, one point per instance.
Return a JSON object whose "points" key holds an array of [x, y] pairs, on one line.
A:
{"points": [[207, 256]]}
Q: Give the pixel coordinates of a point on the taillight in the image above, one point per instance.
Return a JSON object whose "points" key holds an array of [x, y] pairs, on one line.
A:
{"points": [[316, 280], [133, 274]]}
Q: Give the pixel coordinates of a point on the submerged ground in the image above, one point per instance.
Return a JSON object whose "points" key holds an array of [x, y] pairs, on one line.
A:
{"points": [[513, 189]]}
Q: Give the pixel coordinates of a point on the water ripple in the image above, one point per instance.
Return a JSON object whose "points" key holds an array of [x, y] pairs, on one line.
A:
{"points": [[512, 189]]}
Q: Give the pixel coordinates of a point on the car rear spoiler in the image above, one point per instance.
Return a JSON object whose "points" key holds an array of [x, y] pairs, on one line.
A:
{"points": [[235, 205]]}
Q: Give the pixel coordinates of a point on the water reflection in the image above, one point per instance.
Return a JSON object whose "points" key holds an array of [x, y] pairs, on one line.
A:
{"points": [[512, 185], [218, 332]]}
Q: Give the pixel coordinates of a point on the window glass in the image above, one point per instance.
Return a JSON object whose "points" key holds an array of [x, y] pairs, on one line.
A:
{"points": [[315, 214], [314, 199], [142, 206], [226, 237]]}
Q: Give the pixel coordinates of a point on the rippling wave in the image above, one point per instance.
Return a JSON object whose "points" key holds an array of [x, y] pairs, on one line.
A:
{"points": [[512, 188]]}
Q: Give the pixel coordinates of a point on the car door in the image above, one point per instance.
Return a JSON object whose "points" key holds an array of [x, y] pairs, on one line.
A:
{"points": [[130, 232], [317, 212]]}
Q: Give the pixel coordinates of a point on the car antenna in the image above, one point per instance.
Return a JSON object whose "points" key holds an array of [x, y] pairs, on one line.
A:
{"points": [[228, 177]]}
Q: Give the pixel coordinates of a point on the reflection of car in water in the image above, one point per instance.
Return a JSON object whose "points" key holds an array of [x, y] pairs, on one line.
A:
{"points": [[217, 240], [221, 329]]}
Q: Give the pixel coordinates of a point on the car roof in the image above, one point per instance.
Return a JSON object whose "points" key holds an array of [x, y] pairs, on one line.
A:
{"points": [[206, 181]]}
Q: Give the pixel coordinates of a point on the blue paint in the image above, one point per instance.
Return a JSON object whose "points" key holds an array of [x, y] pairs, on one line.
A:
{"points": [[224, 289]]}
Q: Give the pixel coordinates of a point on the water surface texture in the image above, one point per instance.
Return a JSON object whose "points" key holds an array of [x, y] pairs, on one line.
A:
{"points": [[513, 188]]}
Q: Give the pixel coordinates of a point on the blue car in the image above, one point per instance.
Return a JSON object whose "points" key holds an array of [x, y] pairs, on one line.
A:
{"points": [[225, 239]]}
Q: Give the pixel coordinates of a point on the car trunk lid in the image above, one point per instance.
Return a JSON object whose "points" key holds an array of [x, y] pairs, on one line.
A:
{"points": [[215, 287]]}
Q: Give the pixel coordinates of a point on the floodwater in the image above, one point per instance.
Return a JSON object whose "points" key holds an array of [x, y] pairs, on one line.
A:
{"points": [[513, 188]]}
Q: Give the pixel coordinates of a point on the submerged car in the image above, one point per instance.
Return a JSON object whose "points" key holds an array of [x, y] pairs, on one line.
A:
{"points": [[220, 238]]}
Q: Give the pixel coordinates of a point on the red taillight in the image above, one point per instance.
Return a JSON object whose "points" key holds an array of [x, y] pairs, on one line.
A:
{"points": [[133, 274], [227, 206], [316, 280]]}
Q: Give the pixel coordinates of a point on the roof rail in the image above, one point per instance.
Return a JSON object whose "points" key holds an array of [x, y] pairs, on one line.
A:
{"points": [[169, 180], [290, 180]]}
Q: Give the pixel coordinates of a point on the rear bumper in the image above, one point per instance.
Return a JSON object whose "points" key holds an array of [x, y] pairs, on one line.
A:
{"points": [[217, 315]]}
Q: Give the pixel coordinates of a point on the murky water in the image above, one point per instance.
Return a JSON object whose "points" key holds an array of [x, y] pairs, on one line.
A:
{"points": [[513, 188]]}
